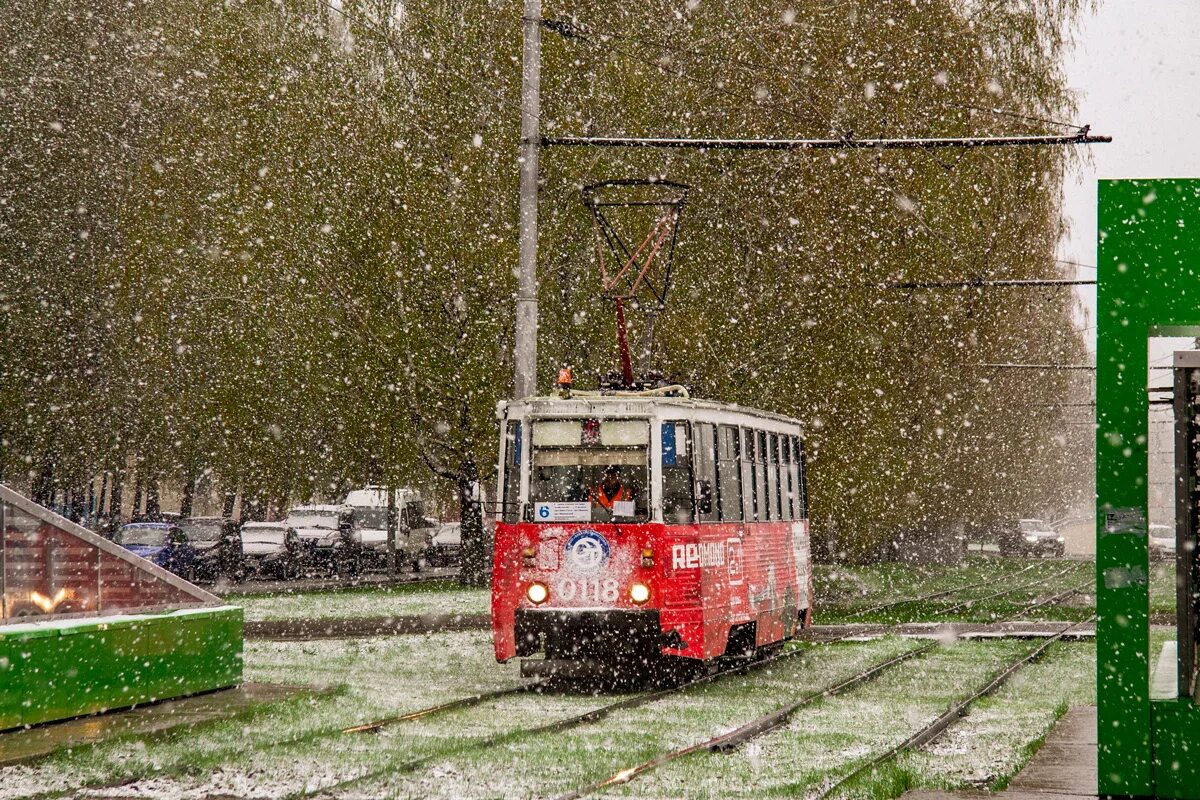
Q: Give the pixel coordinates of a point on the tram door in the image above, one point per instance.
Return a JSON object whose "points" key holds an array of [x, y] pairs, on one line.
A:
{"points": [[1187, 516]]}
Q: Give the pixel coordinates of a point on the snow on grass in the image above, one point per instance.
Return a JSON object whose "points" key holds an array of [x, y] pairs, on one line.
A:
{"points": [[844, 591], [437, 597], [826, 740], [297, 747], [551, 764], [989, 746], [378, 677]]}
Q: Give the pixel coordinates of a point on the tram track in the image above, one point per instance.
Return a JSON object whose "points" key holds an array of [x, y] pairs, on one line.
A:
{"points": [[933, 595], [1010, 590], [1055, 599], [956, 711], [757, 727], [766, 723], [555, 726]]}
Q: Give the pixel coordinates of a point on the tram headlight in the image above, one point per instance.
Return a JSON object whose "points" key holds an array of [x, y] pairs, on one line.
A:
{"points": [[639, 593], [537, 593]]}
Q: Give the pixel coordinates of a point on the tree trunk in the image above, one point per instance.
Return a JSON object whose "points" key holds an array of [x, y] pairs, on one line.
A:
{"points": [[115, 501], [152, 506], [185, 503], [475, 568]]}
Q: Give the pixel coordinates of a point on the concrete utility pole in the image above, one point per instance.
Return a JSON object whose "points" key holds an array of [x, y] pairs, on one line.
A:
{"points": [[525, 384]]}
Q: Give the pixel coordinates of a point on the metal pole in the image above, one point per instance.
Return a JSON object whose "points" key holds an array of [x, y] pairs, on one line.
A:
{"points": [[525, 383], [391, 531]]}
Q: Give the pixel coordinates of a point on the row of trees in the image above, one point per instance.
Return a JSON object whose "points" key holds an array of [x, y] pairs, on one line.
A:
{"points": [[272, 243]]}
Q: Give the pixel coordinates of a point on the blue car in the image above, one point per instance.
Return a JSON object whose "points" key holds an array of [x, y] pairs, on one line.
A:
{"points": [[161, 542]]}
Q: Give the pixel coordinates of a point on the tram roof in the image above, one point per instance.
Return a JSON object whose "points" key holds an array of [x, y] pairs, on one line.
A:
{"points": [[632, 404]]}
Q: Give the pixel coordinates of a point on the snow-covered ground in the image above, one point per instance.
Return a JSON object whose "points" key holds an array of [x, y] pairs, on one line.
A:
{"points": [[296, 746]]}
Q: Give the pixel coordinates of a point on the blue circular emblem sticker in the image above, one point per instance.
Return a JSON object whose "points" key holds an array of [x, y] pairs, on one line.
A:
{"points": [[544, 512], [587, 551]]}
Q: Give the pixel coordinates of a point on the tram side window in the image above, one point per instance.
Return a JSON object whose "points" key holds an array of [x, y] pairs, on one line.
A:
{"points": [[778, 452], [729, 473], [676, 474], [511, 510], [773, 476], [749, 487], [706, 473], [760, 471], [802, 478], [788, 477]]}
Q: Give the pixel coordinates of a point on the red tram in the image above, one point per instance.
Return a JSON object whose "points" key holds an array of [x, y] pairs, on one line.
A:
{"points": [[641, 525]]}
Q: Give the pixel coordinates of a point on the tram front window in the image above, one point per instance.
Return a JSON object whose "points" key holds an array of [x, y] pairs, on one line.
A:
{"points": [[588, 470]]}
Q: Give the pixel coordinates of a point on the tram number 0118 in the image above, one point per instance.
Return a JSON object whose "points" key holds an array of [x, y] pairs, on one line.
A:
{"points": [[588, 589]]}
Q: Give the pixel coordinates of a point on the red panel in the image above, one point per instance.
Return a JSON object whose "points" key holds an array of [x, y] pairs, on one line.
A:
{"points": [[705, 578], [51, 571]]}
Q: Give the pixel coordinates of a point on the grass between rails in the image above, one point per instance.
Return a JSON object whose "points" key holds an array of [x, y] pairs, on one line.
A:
{"points": [[829, 739], [860, 588], [434, 597]]}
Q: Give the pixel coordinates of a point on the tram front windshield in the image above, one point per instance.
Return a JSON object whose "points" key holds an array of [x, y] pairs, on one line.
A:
{"points": [[600, 463]]}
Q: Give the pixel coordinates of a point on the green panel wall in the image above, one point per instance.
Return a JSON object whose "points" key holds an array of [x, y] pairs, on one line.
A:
{"points": [[57, 671], [1149, 281]]}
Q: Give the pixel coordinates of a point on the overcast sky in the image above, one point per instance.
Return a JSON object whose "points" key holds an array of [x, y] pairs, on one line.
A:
{"points": [[1136, 72]]}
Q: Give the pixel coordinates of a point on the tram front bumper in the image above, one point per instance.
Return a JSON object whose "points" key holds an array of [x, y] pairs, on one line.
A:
{"points": [[593, 634]]}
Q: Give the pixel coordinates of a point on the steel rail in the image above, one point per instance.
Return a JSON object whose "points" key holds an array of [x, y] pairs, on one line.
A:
{"points": [[934, 595], [451, 705], [1010, 590], [752, 729], [956, 711], [568, 723], [1055, 599]]}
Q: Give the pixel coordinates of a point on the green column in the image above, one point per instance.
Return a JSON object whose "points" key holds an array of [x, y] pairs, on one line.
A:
{"points": [[1149, 285]]}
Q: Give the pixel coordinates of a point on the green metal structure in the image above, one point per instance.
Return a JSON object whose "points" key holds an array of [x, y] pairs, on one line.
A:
{"points": [[52, 671], [1148, 285]]}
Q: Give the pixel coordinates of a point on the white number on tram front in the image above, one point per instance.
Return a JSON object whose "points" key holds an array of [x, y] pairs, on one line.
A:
{"points": [[593, 589]]}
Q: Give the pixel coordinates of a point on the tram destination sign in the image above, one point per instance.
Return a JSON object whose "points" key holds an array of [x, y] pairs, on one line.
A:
{"points": [[563, 512]]}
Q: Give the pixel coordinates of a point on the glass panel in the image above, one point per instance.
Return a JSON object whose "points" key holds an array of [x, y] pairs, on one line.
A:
{"points": [[729, 472], [773, 476], [558, 433], [785, 480], [613, 480], [749, 478], [625, 432], [802, 477], [511, 507], [760, 476], [46, 570], [706, 473], [676, 474]]}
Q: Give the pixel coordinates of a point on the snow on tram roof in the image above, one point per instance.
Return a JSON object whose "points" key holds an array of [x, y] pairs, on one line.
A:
{"points": [[631, 403]]}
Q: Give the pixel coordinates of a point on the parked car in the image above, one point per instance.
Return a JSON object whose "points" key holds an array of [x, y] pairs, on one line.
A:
{"points": [[218, 546], [1031, 537], [1162, 543], [163, 543], [272, 549], [369, 523], [326, 531], [445, 545]]}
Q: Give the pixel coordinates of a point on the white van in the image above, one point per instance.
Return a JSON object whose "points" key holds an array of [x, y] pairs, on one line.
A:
{"points": [[368, 527]]}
